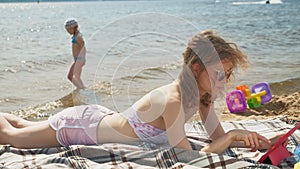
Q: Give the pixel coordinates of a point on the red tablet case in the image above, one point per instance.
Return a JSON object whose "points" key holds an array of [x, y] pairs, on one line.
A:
{"points": [[278, 152]]}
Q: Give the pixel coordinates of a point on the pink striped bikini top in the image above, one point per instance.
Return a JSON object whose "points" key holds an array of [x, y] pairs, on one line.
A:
{"points": [[145, 131]]}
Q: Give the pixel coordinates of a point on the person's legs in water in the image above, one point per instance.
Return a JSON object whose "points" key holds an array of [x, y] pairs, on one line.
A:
{"points": [[75, 73], [71, 71]]}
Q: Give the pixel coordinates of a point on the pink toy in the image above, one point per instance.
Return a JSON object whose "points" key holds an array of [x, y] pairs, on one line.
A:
{"points": [[238, 100]]}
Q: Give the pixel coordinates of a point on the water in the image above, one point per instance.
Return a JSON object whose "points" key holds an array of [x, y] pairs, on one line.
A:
{"points": [[134, 46]]}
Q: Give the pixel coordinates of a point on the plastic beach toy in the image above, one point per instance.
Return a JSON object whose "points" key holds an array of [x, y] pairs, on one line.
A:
{"points": [[238, 100]]}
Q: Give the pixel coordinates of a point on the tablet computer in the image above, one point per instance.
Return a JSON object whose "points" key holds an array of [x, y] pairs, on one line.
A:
{"points": [[278, 151]]}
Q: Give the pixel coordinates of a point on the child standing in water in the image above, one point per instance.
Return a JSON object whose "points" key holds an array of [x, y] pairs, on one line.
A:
{"points": [[78, 51]]}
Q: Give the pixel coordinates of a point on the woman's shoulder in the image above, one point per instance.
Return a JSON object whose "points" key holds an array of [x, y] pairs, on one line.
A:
{"points": [[169, 94], [160, 100], [171, 87]]}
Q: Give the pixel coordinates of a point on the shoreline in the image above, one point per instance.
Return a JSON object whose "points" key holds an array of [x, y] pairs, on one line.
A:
{"points": [[285, 102]]}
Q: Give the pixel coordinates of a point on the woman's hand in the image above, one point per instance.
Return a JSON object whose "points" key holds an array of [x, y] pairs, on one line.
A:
{"points": [[273, 141], [251, 139]]}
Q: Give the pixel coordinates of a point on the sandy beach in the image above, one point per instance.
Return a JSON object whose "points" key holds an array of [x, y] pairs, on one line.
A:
{"points": [[286, 105]]}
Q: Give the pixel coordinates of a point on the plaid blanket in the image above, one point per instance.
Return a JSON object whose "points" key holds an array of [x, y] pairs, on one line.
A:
{"points": [[145, 155], [267, 128]]}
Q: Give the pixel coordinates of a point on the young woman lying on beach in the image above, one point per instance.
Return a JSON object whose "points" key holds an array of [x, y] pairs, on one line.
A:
{"points": [[158, 117]]}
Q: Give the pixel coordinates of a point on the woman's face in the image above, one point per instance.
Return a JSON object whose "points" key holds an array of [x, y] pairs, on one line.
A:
{"points": [[213, 79]]}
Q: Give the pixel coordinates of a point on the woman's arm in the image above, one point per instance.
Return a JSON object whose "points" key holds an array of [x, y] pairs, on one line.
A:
{"points": [[211, 122], [219, 145], [174, 120], [250, 139], [215, 131]]}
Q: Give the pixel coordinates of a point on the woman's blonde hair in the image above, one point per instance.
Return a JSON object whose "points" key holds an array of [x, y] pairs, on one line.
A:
{"points": [[204, 44]]}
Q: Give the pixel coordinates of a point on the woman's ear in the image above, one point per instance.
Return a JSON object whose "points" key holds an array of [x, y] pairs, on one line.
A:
{"points": [[196, 69]]}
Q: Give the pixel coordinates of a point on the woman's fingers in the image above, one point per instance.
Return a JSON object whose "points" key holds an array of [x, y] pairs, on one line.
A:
{"points": [[247, 142], [258, 139], [264, 139], [253, 140]]}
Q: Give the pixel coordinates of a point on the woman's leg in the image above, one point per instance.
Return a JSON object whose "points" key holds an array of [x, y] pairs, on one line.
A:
{"points": [[33, 136], [18, 122]]}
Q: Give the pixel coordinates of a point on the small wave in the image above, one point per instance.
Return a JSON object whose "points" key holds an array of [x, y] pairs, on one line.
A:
{"points": [[38, 112], [138, 77], [102, 88], [151, 73], [31, 66], [11, 100], [91, 95], [43, 111], [80, 97], [10, 70]]}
